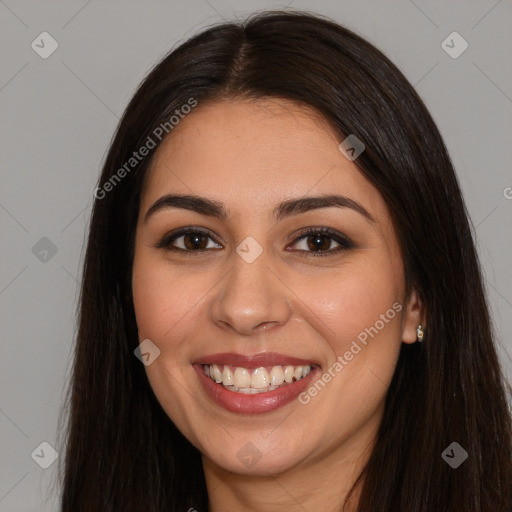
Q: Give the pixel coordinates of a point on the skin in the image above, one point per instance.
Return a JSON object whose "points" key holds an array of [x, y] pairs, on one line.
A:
{"points": [[251, 156]]}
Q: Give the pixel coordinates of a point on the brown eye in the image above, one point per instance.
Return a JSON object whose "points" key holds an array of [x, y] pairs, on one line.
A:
{"points": [[319, 242], [195, 241], [188, 241]]}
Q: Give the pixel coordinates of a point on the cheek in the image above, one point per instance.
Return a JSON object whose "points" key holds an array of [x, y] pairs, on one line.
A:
{"points": [[165, 298], [355, 300], [167, 302], [358, 316]]}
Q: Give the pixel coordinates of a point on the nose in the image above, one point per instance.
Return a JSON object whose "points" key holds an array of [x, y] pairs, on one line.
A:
{"points": [[252, 298]]}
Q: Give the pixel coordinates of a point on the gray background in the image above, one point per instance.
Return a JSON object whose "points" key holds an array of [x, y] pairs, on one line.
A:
{"points": [[58, 117]]}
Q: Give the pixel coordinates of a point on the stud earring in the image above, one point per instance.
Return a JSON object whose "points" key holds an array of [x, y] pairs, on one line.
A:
{"points": [[420, 333]]}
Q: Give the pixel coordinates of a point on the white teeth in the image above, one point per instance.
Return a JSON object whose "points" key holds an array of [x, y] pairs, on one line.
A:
{"points": [[227, 377], [276, 376], [250, 391], [259, 380], [288, 374], [215, 373], [241, 378]]}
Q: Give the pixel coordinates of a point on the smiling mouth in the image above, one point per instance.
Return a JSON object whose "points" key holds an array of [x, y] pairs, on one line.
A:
{"points": [[255, 380]]}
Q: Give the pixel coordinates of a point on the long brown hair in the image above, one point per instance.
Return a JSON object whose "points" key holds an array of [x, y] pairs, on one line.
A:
{"points": [[123, 453]]}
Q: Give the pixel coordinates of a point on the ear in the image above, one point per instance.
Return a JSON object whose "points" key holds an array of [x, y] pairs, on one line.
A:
{"points": [[414, 315]]}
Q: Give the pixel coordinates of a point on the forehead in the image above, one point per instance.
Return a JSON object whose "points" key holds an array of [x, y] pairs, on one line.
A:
{"points": [[252, 154]]}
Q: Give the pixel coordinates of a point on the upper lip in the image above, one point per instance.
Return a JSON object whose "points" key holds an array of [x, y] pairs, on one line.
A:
{"points": [[250, 361]]}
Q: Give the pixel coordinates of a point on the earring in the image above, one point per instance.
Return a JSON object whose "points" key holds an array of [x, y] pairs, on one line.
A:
{"points": [[419, 332]]}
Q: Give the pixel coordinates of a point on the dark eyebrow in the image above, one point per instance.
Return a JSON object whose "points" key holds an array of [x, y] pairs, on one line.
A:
{"points": [[287, 208], [304, 204], [197, 204]]}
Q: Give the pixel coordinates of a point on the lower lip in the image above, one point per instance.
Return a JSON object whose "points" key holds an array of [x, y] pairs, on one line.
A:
{"points": [[257, 403]]}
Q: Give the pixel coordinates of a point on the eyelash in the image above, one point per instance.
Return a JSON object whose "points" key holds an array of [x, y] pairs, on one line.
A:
{"points": [[345, 242]]}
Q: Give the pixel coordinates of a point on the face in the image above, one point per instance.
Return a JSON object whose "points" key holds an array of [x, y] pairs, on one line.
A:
{"points": [[269, 284]]}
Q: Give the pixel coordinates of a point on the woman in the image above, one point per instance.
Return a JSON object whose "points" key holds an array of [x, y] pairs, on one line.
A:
{"points": [[282, 306]]}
